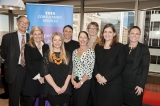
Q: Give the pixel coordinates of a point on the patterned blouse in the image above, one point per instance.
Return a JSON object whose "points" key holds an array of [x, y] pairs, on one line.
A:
{"points": [[84, 64]]}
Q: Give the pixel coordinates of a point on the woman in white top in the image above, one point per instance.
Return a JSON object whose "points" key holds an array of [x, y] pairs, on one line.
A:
{"points": [[83, 60], [34, 52]]}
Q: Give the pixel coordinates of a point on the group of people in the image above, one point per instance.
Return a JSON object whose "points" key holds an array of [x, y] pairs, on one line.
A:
{"points": [[95, 71]]}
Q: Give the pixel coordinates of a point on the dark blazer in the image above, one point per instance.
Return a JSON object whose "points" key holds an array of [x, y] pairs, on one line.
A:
{"points": [[111, 65], [141, 65], [10, 52], [33, 59]]}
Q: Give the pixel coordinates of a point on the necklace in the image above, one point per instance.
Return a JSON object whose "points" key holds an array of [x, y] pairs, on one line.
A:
{"points": [[56, 60], [131, 48]]}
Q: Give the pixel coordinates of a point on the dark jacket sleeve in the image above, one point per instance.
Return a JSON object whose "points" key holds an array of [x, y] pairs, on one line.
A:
{"points": [[4, 46], [95, 70], [144, 66], [120, 64], [28, 59]]}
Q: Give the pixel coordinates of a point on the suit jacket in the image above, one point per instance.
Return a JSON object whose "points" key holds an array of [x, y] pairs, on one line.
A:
{"points": [[111, 65], [140, 65], [10, 52], [33, 59]]}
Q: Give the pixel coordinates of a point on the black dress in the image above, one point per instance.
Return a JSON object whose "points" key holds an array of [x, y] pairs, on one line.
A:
{"points": [[59, 74], [129, 96], [110, 63]]}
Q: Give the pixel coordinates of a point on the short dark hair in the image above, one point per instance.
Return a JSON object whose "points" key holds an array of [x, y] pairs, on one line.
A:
{"points": [[83, 32], [134, 27], [68, 26], [22, 16]]}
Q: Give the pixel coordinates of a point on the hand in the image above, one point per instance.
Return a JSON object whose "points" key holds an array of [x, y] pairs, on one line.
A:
{"points": [[98, 77], [77, 85], [58, 90], [102, 81], [41, 80], [73, 82], [139, 90], [63, 89]]}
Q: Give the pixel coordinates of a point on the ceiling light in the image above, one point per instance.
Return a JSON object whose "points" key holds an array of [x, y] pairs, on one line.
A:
{"points": [[12, 4]]}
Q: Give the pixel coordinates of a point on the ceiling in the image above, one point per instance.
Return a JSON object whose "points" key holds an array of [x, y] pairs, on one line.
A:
{"points": [[98, 5]]}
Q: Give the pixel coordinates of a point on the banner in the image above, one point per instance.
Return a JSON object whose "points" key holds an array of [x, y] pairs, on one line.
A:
{"points": [[51, 18]]}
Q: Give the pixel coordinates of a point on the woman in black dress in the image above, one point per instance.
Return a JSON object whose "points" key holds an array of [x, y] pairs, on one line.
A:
{"points": [[109, 64], [57, 69], [34, 51], [136, 70]]}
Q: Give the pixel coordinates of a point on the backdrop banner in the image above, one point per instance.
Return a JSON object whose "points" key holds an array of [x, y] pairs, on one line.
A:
{"points": [[51, 18]]}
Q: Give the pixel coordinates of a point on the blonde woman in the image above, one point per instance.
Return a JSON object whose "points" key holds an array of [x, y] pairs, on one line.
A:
{"points": [[93, 29], [34, 51], [57, 69]]}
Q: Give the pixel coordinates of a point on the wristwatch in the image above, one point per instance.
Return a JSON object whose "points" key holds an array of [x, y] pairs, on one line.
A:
{"points": [[81, 82]]}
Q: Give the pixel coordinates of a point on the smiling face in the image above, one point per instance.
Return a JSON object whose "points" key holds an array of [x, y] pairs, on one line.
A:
{"points": [[67, 32], [57, 42], [108, 34], [83, 39], [37, 36], [23, 24], [92, 30], [134, 35]]}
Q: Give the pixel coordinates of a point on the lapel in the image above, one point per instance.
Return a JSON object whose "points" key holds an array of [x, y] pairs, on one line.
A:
{"points": [[137, 56], [27, 37], [38, 52], [16, 42]]}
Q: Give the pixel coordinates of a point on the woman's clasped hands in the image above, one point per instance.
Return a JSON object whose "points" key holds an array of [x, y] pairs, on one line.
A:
{"points": [[101, 79]]}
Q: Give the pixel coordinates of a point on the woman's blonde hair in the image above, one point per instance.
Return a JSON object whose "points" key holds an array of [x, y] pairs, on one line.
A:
{"points": [[62, 49], [31, 40]]}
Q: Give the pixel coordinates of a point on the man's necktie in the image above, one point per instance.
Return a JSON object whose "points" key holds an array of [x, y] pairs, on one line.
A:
{"points": [[22, 51]]}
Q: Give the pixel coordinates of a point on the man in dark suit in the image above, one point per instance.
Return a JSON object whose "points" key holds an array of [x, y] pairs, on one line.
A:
{"points": [[13, 54]]}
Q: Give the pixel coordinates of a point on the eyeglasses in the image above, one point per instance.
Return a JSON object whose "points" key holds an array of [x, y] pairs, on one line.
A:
{"points": [[92, 28], [24, 23]]}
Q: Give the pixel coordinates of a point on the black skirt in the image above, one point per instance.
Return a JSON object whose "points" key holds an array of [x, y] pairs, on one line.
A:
{"points": [[58, 99]]}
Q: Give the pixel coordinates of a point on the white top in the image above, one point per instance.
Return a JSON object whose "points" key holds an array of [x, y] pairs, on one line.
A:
{"points": [[20, 40], [84, 64]]}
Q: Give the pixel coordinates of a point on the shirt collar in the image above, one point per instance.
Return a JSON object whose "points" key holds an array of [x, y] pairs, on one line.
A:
{"points": [[19, 34], [37, 43]]}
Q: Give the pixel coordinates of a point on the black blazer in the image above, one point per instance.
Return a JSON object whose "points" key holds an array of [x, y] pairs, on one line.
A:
{"points": [[33, 59], [141, 65], [111, 65], [10, 52]]}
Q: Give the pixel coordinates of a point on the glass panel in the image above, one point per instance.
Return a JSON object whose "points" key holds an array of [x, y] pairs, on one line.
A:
{"points": [[15, 23], [4, 27]]}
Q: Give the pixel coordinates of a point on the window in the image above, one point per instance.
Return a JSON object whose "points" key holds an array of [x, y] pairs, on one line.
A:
{"points": [[156, 26], [4, 27]]}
